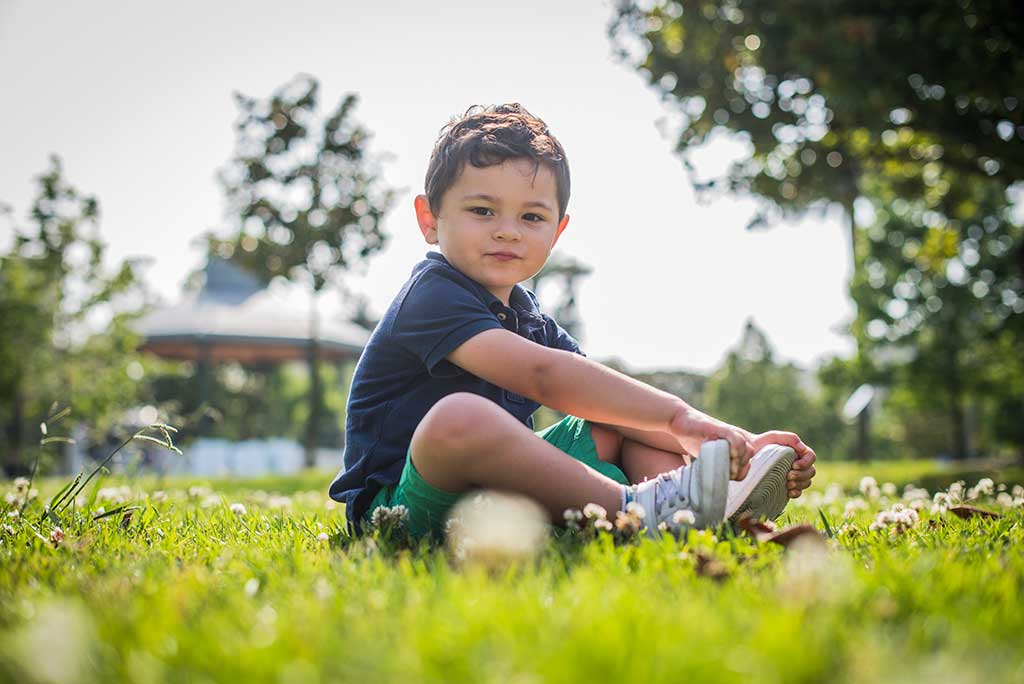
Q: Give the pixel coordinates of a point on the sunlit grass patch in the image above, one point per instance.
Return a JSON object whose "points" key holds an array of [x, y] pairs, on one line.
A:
{"points": [[182, 580]]}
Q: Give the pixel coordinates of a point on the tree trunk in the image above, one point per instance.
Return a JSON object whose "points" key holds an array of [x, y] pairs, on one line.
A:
{"points": [[313, 425], [956, 415], [12, 463]]}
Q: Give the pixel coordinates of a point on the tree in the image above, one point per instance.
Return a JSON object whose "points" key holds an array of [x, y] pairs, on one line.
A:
{"points": [[565, 271], [66, 336], [829, 92], [942, 294], [909, 108], [305, 198], [751, 389]]}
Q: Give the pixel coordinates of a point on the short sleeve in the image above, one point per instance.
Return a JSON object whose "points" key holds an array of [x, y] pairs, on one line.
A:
{"points": [[437, 315], [559, 338]]}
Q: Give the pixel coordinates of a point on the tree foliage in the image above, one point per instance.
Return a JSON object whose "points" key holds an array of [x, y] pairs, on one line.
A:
{"points": [[753, 390], [304, 193], [910, 110], [66, 314], [827, 93]]}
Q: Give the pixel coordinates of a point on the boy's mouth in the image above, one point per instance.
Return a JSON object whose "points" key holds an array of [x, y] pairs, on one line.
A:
{"points": [[503, 256]]}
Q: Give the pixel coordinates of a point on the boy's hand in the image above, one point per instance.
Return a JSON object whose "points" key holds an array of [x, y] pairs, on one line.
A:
{"points": [[802, 472], [692, 428]]}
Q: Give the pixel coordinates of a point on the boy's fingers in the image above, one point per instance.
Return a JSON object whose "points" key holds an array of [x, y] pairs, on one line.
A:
{"points": [[805, 460], [806, 474]]}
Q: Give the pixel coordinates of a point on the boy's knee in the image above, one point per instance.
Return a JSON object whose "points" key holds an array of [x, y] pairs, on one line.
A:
{"points": [[453, 421]]}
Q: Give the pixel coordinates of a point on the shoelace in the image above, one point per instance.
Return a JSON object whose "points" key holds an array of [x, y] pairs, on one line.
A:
{"points": [[676, 500]]}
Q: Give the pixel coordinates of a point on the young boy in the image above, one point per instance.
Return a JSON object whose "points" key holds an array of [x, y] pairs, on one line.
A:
{"points": [[443, 394]]}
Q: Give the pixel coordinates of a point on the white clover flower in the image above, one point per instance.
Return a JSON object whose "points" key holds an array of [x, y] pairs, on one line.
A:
{"points": [[13, 515], [896, 520], [1018, 502], [1017, 491], [323, 537], [1004, 499], [21, 484], [663, 526], [13, 499], [984, 487], [833, 493], [635, 509], [279, 501], [603, 525], [8, 530], [919, 504], [115, 495], [956, 491], [889, 489], [572, 518], [251, 587], [848, 530], [385, 517], [912, 493], [593, 511], [238, 508], [853, 506], [869, 487], [683, 517], [158, 496], [56, 536], [199, 491]]}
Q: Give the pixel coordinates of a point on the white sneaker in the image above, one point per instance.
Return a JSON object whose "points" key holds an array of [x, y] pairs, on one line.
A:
{"points": [[763, 493], [700, 488]]}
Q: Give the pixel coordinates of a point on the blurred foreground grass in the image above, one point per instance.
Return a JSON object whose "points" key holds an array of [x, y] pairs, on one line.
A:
{"points": [[256, 580]]}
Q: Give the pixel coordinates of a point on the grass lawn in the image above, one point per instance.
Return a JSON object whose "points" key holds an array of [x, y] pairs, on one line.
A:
{"points": [[189, 588]]}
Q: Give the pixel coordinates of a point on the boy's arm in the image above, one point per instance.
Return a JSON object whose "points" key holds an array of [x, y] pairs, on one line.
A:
{"points": [[576, 385]]}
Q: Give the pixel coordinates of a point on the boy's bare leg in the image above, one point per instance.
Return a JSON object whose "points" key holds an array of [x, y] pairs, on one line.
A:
{"points": [[641, 462], [638, 460], [466, 441]]}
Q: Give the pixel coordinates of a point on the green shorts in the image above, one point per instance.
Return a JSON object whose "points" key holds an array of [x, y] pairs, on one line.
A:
{"points": [[428, 506]]}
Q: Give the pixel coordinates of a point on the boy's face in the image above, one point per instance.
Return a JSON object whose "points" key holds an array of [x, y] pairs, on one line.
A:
{"points": [[496, 224]]}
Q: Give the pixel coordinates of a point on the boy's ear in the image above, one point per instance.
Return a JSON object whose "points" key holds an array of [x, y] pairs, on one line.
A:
{"points": [[426, 219], [561, 227]]}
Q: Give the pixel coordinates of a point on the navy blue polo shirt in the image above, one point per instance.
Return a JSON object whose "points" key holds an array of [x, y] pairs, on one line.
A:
{"points": [[403, 371]]}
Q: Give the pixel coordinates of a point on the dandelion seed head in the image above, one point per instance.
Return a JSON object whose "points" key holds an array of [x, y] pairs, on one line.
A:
{"points": [[497, 528], [238, 508]]}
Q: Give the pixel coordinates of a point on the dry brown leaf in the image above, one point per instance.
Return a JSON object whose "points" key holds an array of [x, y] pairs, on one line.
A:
{"points": [[709, 566], [758, 529], [967, 512], [788, 536]]}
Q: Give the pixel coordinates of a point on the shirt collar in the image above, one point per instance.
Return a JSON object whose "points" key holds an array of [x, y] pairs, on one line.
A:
{"points": [[519, 299]]}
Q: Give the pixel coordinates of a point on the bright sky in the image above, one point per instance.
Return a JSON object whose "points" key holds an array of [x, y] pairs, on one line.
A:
{"points": [[136, 98]]}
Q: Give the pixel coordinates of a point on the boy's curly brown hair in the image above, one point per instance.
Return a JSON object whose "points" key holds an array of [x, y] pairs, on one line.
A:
{"points": [[486, 136]]}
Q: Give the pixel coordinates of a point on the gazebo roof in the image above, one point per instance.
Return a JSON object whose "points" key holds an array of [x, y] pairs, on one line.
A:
{"points": [[234, 317]]}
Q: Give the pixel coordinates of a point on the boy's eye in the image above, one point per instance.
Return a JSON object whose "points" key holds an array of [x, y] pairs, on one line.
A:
{"points": [[481, 211], [533, 218]]}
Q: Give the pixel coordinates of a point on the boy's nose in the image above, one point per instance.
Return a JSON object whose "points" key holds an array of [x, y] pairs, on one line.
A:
{"points": [[507, 230]]}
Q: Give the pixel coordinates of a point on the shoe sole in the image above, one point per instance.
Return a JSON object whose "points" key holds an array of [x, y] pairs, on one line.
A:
{"points": [[712, 482], [763, 493]]}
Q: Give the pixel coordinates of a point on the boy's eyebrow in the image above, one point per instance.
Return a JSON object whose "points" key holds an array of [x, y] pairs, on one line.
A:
{"points": [[494, 200]]}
